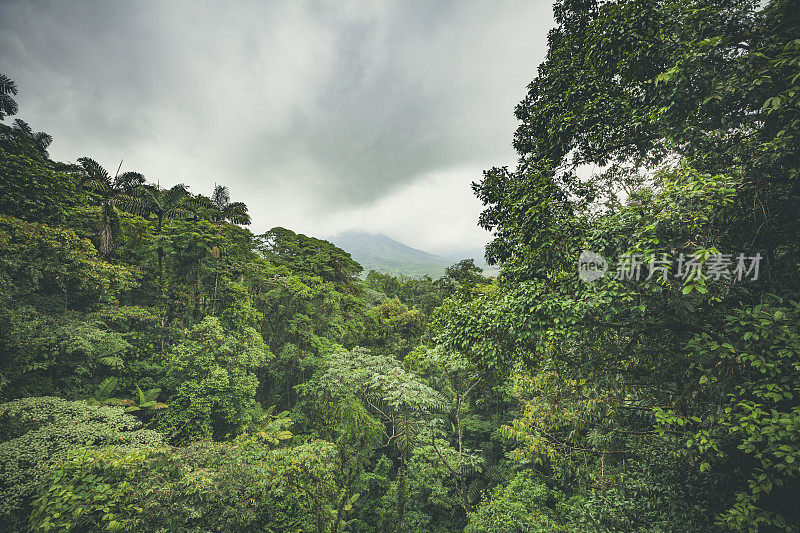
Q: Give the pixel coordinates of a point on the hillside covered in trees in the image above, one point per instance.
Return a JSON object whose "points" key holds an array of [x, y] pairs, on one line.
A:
{"points": [[162, 368]]}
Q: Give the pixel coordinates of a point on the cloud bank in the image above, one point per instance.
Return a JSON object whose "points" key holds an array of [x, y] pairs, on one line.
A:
{"points": [[322, 117]]}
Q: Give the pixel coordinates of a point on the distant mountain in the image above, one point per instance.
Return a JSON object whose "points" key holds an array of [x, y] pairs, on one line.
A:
{"points": [[384, 254], [475, 254]]}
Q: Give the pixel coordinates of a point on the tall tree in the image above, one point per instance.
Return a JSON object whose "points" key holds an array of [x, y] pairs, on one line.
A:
{"points": [[40, 139], [222, 209], [309, 255], [112, 193], [164, 204], [678, 391]]}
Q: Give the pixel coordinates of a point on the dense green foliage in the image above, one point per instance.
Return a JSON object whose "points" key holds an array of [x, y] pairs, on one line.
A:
{"points": [[39, 433], [669, 402], [164, 369], [148, 340]]}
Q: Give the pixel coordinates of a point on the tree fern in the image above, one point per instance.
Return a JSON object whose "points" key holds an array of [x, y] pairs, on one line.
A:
{"points": [[8, 88]]}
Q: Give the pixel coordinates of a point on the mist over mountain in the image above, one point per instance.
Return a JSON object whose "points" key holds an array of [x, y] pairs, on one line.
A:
{"points": [[384, 254]]}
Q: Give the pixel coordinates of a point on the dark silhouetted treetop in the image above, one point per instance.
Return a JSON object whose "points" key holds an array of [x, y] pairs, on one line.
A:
{"points": [[7, 104], [41, 140], [221, 208]]}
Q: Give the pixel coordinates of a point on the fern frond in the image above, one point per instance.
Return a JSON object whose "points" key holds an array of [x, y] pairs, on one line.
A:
{"points": [[106, 388], [112, 361]]}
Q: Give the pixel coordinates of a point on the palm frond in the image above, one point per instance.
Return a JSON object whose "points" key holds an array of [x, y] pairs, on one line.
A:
{"points": [[199, 205], [147, 400], [93, 170], [163, 203], [220, 197], [105, 389], [179, 213], [112, 361], [7, 86], [175, 194], [132, 204], [8, 106], [154, 405], [406, 429], [23, 126], [43, 140], [151, 395], [118, 402], [149, 195]]}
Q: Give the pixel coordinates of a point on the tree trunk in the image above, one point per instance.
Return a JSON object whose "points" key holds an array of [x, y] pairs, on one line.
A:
{"points": [[160, 256], [106, 239], [401, 492], [462, 482], [161, 287], [214, 297]]}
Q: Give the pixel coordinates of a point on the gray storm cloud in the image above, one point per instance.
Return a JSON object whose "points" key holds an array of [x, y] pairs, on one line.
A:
{"points": [[321, 116]]}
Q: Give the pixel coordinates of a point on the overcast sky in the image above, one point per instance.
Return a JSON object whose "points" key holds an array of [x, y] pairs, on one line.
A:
{"points": [[321, 116]]}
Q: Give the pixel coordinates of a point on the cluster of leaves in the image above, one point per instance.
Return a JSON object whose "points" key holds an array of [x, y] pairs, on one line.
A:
{"points": [[308, 255], [212, 374], [40, 432], [525, 503], [663, 402], [200, 487]]}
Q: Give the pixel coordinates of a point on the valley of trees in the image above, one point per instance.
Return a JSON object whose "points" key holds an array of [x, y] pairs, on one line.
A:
{"points": [[162, 368]]}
